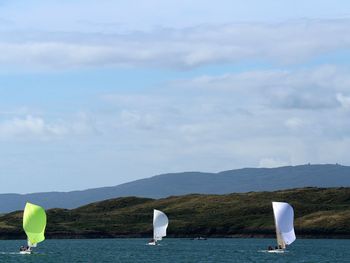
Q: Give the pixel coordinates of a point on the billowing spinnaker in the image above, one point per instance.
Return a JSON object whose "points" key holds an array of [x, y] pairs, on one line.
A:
{"points": [[34, 223], [284, 220], [160, 224]]}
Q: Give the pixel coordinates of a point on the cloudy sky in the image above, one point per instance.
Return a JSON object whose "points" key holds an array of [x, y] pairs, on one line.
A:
{"points": [[97, 93]]}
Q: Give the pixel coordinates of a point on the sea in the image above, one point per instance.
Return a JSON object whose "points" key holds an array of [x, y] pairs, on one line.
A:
{"points": [[173, 250]]}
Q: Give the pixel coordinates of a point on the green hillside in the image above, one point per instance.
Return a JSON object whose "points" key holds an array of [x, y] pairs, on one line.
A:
{"points": [[318, 213]]}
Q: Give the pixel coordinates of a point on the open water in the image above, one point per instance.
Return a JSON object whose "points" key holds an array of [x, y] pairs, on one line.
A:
{"points": [[174, 250]]}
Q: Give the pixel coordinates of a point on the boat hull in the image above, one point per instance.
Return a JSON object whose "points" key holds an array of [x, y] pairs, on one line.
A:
{"points": [[278, 251], [25, 252]]}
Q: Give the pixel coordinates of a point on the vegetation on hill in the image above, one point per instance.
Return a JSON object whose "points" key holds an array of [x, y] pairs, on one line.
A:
{"points": [[318, 213]]}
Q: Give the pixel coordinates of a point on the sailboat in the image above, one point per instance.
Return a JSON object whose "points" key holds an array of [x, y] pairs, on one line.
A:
{"points": [[160, 224], [284, 218], [34, 224]]}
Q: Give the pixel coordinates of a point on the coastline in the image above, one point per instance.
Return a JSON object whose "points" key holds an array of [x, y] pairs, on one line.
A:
{"points": [[238, 236]]}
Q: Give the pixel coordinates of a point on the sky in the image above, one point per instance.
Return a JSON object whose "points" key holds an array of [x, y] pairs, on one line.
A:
{"points": [[98, 93]]}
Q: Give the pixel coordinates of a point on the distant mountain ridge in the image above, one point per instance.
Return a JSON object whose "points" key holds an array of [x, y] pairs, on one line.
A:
{"points": [[160, 186]]}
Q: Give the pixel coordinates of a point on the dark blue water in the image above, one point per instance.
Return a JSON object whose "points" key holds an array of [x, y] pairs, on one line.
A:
{"points": [[176, 250]]}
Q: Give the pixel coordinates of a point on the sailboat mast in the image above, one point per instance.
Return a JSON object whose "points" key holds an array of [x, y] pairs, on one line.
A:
{"points": [[276, 228]]}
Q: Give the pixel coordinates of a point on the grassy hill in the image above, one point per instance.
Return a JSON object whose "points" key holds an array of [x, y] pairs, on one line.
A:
{"points": [[318, 213]]}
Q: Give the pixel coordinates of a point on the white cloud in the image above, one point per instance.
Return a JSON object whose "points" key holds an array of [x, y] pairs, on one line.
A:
{"points": [[107, 15], [344, 100], [284, 113], [290, 42], [30, 127], [222, 122], [236, 106], [294, 123], [271, 163], [310, 89], [135, 119]]}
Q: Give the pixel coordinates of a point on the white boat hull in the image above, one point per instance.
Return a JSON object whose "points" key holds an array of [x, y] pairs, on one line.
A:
{"points": [[278, 251], [25, 252], [152, 243]]}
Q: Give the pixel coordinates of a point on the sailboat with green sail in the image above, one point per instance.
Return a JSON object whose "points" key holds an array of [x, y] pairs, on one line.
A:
{"points": [[34, 224]]}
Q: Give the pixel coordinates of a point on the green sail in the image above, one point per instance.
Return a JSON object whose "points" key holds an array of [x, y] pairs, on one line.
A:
{"points": [[34, 223]]}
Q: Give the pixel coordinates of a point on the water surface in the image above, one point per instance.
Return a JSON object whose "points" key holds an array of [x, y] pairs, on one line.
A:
{"points": [[174, 250]]}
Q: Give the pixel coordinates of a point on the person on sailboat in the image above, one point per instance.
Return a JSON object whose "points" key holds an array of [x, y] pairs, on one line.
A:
{"points": [[270, 248], [25, 248]]}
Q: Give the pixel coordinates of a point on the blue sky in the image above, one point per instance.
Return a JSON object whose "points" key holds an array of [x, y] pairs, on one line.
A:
{"points": [[97, 93]]}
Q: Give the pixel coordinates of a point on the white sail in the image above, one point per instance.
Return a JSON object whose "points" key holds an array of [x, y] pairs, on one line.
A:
{"points": [[284, 221], [30, 244], [280, 241], [160, 224]]}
